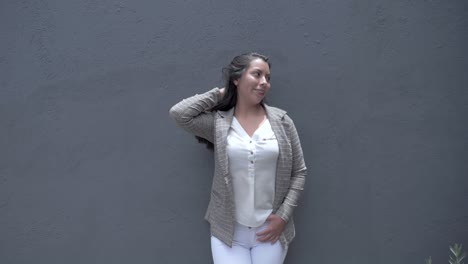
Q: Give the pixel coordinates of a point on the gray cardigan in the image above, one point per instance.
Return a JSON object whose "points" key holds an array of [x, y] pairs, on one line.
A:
{"points": [[193, 115]]}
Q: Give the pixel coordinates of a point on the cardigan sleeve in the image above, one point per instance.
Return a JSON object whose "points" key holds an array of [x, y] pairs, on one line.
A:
{"points": [[193, 114], [298, 175]]}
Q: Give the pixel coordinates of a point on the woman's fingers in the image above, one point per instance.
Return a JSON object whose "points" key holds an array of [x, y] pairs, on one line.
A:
{"points": [[264, 232], [274, 240], [265, 238], [267, 235], [273, 231]]}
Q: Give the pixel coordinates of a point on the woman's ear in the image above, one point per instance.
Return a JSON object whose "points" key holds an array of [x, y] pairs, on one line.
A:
{"points": [[236, 82]]}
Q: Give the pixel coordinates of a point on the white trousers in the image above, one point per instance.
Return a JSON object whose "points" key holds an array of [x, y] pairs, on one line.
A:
{"points": [[246, 249]]}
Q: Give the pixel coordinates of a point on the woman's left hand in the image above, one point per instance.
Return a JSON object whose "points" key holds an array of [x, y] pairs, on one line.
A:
{"points": [[273, 231]]}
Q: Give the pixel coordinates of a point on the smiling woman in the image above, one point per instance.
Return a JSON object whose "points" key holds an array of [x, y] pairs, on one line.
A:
{"points": [[259, 166], [253, 85]]}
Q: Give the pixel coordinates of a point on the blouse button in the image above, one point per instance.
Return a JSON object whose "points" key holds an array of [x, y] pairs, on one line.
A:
{"points": [[251, 161]]}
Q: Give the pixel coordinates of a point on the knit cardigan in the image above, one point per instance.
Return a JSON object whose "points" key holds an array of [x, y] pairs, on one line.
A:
{"points": [[193, 115]]}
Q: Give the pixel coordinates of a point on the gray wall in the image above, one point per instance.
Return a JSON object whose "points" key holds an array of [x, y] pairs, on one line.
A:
{"points": [[92, 170]]}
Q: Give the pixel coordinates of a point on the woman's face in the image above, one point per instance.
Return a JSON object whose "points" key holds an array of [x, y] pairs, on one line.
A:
{"points": [[254, 83]]}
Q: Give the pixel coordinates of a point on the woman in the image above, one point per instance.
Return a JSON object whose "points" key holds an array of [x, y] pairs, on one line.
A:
{"points": [[259, 167]]}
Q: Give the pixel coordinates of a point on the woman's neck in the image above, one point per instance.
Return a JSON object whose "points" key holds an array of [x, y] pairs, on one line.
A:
{"points": [[244, 110]]}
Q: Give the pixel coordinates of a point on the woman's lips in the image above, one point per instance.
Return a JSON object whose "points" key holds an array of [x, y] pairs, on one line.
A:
{"points": [[260, 91]]}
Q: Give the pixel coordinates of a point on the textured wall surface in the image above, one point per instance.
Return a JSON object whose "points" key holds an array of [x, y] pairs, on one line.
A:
{"points": [[92, 170]]}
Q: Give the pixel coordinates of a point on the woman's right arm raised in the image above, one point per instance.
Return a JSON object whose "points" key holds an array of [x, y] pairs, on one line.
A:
{"points": [[193, 114]]}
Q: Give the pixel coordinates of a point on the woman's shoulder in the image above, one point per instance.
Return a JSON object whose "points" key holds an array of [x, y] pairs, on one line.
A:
{"points": [[273, 110], [278, 113]]}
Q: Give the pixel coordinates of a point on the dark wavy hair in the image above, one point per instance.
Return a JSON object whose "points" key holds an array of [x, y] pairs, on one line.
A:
{"points": [[233, 72]]}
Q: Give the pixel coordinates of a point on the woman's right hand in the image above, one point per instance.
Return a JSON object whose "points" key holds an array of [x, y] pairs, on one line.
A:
{"points": [[222, 91]]}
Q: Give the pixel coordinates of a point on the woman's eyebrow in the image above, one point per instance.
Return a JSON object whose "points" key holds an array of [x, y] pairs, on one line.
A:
{"points": [[260, 70]]}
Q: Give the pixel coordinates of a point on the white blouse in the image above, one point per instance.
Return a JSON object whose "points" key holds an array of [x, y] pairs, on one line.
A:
{"points": [[252, 164]]}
